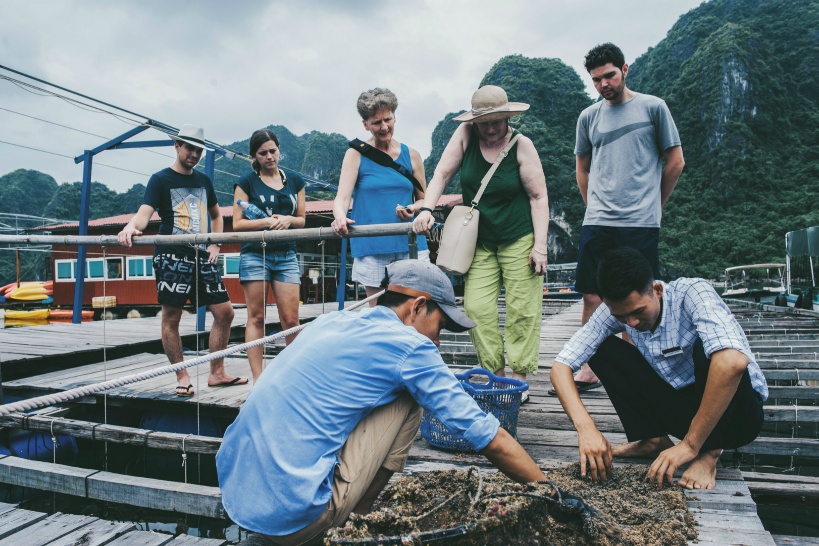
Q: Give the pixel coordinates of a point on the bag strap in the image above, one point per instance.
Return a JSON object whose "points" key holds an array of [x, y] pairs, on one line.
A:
{"points": [[501, 156], [384, 160]]}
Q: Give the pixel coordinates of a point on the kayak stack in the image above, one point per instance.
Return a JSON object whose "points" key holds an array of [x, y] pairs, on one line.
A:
{"points": [[28, 292]]}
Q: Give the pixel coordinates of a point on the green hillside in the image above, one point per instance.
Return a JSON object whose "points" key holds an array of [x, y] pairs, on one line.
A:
{"points": [[740, 78]]}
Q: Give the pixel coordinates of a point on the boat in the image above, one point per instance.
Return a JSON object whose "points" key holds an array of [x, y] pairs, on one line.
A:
{"points": [[559, 281], [33, 314], [14, 323], [802, 251], [7, 289], [29, 291], [760, 283], [68, 314]]}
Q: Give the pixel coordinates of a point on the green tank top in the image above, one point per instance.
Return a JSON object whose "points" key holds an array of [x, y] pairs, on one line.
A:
{"points": [[505, 211]]}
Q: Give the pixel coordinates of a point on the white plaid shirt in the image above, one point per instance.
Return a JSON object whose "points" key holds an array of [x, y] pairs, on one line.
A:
{"points": [[691, 309]]}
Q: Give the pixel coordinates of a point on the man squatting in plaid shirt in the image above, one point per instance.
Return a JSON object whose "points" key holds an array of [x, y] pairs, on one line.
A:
{"points": [[690, 374]]}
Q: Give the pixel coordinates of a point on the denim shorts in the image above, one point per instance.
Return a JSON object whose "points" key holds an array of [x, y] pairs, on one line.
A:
{"points": [[280, 266]]}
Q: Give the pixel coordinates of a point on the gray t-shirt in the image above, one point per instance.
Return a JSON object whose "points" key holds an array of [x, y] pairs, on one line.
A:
{"points": [[626, 142]]}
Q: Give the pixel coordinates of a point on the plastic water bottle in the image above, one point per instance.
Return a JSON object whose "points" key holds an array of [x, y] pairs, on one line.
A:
{"points": [[250, 210]]}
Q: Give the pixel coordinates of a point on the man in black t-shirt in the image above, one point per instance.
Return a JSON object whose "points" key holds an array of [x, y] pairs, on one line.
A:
{"points": [[184, 198]]}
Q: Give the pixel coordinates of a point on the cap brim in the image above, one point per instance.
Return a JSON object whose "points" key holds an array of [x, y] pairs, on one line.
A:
{"points": [[192, 143], [457, 321]]}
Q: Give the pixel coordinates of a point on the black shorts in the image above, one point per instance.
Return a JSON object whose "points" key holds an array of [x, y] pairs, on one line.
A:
{"points": [[597, 240], [177, 280]]}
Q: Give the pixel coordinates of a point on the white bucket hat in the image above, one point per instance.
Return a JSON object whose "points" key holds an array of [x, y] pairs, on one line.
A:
{"points": [[193, 135], [490, 103]]}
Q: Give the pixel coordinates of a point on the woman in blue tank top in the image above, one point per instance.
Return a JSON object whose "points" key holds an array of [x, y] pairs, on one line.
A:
{"points": [[381, 195]]}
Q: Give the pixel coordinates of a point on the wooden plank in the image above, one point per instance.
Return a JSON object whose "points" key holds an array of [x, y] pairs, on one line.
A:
{"points": [[160, 494], [723, 537], [799, 393], [789, 540], [798, 491], [788, 478], [725, 519], [188, 540], [97, 533], [801, 447], [44, 476], [798, 414], [115, 434], [142, 538], [15, 520], [47, 530]]}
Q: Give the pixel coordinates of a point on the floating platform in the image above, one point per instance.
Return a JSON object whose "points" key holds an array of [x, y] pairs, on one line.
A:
{"points": [[725, 515]]}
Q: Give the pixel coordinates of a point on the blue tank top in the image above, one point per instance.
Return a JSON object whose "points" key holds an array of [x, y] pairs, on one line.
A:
{"points": [[377, 191]]}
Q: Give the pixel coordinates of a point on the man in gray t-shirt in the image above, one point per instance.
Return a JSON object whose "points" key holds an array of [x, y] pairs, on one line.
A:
{"points": [[628, 158]]}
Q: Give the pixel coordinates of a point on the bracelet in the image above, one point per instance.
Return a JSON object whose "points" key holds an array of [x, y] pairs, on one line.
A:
{"points": [[539, 252], [422, 209]]}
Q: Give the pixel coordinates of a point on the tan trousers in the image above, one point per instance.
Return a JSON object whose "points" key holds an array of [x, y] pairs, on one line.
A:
{"points": [[382, 439]]}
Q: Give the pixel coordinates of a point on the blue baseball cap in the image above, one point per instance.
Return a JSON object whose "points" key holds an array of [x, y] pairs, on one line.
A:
{"points": [[417, 278]]}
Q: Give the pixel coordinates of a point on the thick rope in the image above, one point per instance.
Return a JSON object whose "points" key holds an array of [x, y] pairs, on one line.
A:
{"points": [[79, 392]]}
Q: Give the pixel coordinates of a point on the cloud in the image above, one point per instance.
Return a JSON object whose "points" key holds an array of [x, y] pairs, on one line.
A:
{"points": [[234, 67]]}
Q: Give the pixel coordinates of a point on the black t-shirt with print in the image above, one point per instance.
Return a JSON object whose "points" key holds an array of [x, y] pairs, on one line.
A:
{"points": [[182, 202]]}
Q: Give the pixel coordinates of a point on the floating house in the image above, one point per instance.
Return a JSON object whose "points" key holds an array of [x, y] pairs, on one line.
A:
{"points": [[107, 268]]}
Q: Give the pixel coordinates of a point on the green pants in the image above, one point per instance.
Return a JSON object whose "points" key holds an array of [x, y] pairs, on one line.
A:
{"points": [[505, 265]]}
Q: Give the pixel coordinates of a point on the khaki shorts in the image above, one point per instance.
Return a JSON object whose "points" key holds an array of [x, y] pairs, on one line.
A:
{"points": [[382, 439]]}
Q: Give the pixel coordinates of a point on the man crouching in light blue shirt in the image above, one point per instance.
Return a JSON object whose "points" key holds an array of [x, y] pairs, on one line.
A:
{"points": [[331, 420]]}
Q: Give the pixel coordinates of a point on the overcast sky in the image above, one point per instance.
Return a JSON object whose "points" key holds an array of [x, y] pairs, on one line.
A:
{"points": [[235, 66]]}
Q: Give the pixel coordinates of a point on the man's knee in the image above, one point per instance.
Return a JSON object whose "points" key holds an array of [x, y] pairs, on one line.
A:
{"points": [[222, 312], [171, 315], [591, 301]]}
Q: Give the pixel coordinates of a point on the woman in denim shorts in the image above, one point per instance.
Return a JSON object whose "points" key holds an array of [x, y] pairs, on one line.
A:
{"points": [[281, 197]]}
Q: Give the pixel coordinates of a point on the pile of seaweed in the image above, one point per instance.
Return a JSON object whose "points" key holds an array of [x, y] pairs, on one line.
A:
{"points": [[470, 507]]}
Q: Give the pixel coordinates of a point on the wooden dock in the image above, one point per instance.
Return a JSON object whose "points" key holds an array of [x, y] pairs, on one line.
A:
{"points": [[20, 527], [725, 515], [32, 350]]}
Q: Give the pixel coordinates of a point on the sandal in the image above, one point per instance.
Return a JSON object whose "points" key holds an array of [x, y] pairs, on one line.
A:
{"points": [[184, 391]]}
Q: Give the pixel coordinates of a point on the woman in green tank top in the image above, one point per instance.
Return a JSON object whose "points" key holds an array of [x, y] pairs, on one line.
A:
{"points": [[512, 233]]}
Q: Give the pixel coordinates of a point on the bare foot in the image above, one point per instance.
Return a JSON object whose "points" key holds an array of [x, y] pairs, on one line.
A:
{"points": [[586, 375], [183, 379], [643, 448], [225, 380], [702, 472]]}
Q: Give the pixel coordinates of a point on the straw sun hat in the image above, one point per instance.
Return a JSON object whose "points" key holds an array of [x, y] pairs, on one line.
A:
{"points": [[490, 103]]}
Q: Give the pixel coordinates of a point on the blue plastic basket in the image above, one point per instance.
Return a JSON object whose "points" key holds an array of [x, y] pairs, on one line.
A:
{"points": [[499, 396]]}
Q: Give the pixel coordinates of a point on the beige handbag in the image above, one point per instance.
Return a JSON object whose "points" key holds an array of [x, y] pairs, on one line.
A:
{"points": [[460, 233]]}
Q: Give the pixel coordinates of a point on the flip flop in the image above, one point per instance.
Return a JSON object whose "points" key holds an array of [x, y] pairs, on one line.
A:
{"points": [[582, 386], [184, 391], [233, 382]]}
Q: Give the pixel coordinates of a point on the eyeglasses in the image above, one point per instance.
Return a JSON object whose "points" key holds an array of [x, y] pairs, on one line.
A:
{"points": [[265, 152]]}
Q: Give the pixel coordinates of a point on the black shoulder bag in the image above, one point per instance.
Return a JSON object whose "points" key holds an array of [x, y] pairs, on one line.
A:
{"points": [[384, 160]]}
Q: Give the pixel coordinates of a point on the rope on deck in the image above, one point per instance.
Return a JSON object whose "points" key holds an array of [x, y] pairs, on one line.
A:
{"points": [[79, 392]]}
